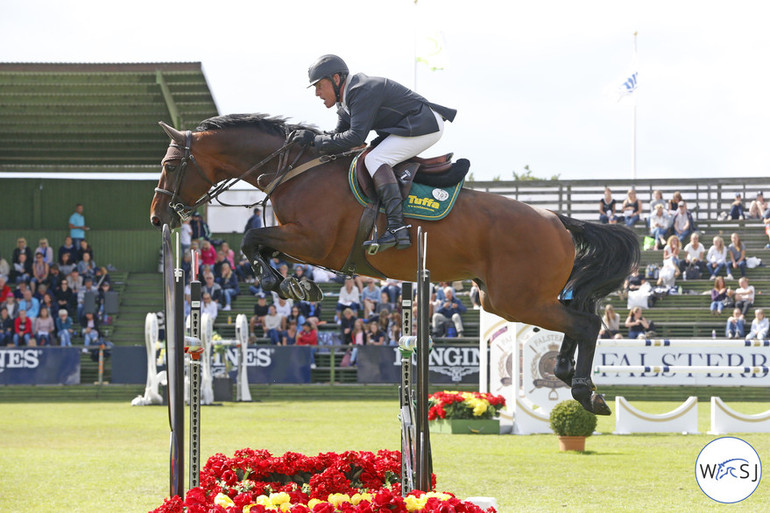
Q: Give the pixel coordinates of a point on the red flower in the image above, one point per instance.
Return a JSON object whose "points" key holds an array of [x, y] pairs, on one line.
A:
{"points": [[171, 505], [195, 496], [323, 507]]}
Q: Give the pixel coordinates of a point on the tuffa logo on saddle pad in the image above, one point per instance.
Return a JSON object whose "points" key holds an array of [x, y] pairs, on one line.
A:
{"points": [[423, 202]]}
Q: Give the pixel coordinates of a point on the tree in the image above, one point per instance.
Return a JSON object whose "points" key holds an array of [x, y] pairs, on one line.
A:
{"points": [[527, 176]]}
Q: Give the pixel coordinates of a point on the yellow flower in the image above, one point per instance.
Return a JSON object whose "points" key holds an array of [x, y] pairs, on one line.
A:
{"points": [[280, 498], [312, 502], [439, 495], [415, 503], [223, 500], [360, 497], [338, 498]]}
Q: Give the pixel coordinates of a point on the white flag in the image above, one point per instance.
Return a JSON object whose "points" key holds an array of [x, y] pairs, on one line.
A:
{"points": [[627, 83], [431, 51]]}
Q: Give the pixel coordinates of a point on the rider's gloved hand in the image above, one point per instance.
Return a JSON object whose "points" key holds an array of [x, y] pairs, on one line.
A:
{"points": [[302, 137]]}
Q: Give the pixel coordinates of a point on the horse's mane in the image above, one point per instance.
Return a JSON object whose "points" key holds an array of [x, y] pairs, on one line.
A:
{"points": [[272, 124]]}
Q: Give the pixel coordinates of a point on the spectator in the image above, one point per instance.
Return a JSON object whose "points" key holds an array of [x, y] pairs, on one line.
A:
{"points": [[54, 277], [90, 325], [50, 303], [393, 289], [736, 324], [358, 333], [607, 208], [370, 296], [718, 295], [289, 336], [22, 270], [272, 325], [374, 335], [6, 327], [12, 306], [759, 326], [66, 265], [634, 281], [75, 281], [312, 312], [744, 295], [448, 314], [19, 292], [394, 329], [40, 271], [208, 253], [22, 329], [282, 308], [632, 208], [695, 253], [209, 306], [673, 203], [309, 337], [758, 207], [349, 297], [228, 253], [260, 311], [77, 225], [88, 286], [683, 222], [83, 248], [766, 222], [86, 266], [295, 315], [475, 296], [638, 326], [736, 208], [737, 256], [229, 284], [185, 236], [22, 249], [717, 258], [64, 328], [255, 221], [68, 248], [5, 290], [65, 298], [384, 303], [347, 321], [30, 304], [217, 267], [46, 251], [657, 199], [43, 328], [5, 268], [659, 226], [101, 300], [213, 289], [200, 230], [610, 323]]}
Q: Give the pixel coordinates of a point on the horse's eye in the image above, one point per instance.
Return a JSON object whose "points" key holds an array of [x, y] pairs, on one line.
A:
{"points": [[170, 168]]}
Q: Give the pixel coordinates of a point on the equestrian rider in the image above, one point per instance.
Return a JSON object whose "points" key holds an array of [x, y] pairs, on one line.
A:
{"points": [[405, 122]]}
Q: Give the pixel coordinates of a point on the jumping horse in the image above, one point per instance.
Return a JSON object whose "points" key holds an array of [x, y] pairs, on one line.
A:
{"points": [[522, 258]]}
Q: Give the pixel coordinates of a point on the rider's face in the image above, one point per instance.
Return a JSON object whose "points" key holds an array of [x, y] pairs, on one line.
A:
{"points": [[325, 90]]}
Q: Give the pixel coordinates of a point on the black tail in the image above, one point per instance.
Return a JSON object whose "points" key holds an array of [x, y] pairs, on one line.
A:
{"points": [[605, 254]]}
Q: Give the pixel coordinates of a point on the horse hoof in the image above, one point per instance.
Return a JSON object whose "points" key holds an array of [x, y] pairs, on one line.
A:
{"points": [[292, 289], [312, 291], [565, 370], [599, 406]]}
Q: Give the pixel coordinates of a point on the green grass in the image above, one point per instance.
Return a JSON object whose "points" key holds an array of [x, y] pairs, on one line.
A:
{"points": [[104, 456]]}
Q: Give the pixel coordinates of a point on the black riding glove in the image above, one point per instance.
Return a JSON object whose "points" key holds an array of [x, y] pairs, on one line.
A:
{"points": [[302, 137]]}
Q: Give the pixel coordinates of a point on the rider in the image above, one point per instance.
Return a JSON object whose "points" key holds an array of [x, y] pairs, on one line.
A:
{"points": [[405, 122]]}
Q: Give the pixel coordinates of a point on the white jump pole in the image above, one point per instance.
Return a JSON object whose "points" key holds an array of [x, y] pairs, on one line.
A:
{"points": [[680, 369], [681, 343]]}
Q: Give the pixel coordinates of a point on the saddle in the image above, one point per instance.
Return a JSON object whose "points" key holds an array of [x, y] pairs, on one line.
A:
{"points": [[436, 171]]}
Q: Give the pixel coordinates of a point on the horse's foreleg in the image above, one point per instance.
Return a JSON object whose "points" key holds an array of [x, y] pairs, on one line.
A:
{"points": [[259, 257]]}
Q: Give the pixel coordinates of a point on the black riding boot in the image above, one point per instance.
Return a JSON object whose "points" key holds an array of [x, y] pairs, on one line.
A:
{"points": [[396, 234]]}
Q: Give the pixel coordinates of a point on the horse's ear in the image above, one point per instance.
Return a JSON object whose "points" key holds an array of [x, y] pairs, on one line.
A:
{"points": [[172, 132]]}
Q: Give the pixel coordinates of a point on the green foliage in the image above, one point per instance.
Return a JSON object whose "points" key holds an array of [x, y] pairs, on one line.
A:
{"points": [[528, 176], [569, 418]]}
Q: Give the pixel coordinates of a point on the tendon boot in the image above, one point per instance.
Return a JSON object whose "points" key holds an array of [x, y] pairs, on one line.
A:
{"points": [[396, 234]]}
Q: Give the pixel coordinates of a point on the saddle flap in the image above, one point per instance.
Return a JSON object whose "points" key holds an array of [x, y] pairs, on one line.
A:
{"points": [[405, 172]]}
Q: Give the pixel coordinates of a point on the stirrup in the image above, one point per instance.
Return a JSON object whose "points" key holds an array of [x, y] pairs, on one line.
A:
{"points": [[375, 245]]}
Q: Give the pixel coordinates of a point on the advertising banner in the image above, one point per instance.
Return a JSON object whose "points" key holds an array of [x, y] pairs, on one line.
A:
{"points": [[448, 364], [129, 365], [40, 366]]}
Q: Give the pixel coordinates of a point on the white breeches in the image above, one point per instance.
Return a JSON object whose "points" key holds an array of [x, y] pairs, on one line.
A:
{"points": [[396, 149]]}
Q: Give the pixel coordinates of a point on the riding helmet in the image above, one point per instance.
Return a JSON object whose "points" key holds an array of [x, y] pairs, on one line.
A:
{"points": [[325, 67]]}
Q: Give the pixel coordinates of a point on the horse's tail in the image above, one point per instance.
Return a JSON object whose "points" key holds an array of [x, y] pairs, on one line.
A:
{"points": [[605, 254]]}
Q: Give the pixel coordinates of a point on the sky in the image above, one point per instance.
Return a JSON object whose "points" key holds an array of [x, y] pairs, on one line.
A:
{"points": [[530, 80]]}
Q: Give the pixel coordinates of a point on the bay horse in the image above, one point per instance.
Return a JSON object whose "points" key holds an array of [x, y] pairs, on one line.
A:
{"points": [[521, 257]]}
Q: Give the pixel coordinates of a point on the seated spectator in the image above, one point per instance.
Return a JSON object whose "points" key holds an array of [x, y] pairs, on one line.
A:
{"points": [[657, 199], [384, 303], [66, 265], [295, 315], [312, 312], [208, 306], [64, 330], [695, 253], [208, 253], [683, 222], [672, 252], [212, 288], [393, 289], [229, 254], [607, 207], [736, 256], [610, 323], [6, 327], [370, 296], [5, 268], [475, 296], [347, 320], [18, 293], [101, 300], [43, 328], [634, 281], [744, 295], [260, 311], [86, 267], [40, 271], [717, 258], [31, 305], [673, 203], [758, 207], [200, 230], [374, 335], [22, 330], [736, 208], [283, 308], [22, 249], [68, 248], [718, 295], [49, 302], [217, 267], [289, 336], [90, 325], [12, 306], [22, 270], [448, 318], [46, 251], [309, 337], [659, 226], [638, 326], [83, 248], [358, 333], [229, 284], [394, 328], [88, 287], [65, 298], [349, 297], [632, 208], [735, 327], [54, 277], [272, 325], [75, 281], [759, 326], [5, 290]]}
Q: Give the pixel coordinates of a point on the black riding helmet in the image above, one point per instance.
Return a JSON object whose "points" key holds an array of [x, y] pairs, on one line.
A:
{"points": [[325, 67]]}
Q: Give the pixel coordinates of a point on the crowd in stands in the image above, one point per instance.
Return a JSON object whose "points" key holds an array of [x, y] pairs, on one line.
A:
{"points": [[673, 230], [50, 297]]}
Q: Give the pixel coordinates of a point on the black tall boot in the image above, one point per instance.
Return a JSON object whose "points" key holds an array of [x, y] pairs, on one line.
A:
{"points": [[396, 234]]}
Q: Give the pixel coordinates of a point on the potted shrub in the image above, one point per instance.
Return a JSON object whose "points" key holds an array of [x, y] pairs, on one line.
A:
{"points": [[572, 423]]}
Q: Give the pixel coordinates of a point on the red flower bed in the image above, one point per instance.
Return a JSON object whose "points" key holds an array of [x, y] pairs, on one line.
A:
{"points": [[255, 481], [464, 405]]}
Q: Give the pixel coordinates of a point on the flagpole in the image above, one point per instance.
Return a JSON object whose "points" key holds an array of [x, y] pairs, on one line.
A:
{"points": [[633, 144], [414, 57]]}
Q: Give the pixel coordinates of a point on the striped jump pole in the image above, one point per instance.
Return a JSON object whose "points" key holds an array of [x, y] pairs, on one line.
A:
{"points": [[406, 345], [680, 369], [195, 350], [423, 452], [682, 343]]}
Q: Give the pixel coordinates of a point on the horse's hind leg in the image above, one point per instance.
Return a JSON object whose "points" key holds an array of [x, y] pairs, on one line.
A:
{"points": [[583, 388]]}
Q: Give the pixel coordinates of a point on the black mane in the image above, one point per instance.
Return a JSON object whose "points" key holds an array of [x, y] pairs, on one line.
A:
{"points": [[275, 125]]}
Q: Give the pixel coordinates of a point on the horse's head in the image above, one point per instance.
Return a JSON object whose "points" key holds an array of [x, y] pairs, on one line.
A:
{"points": [[179, 193]]}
